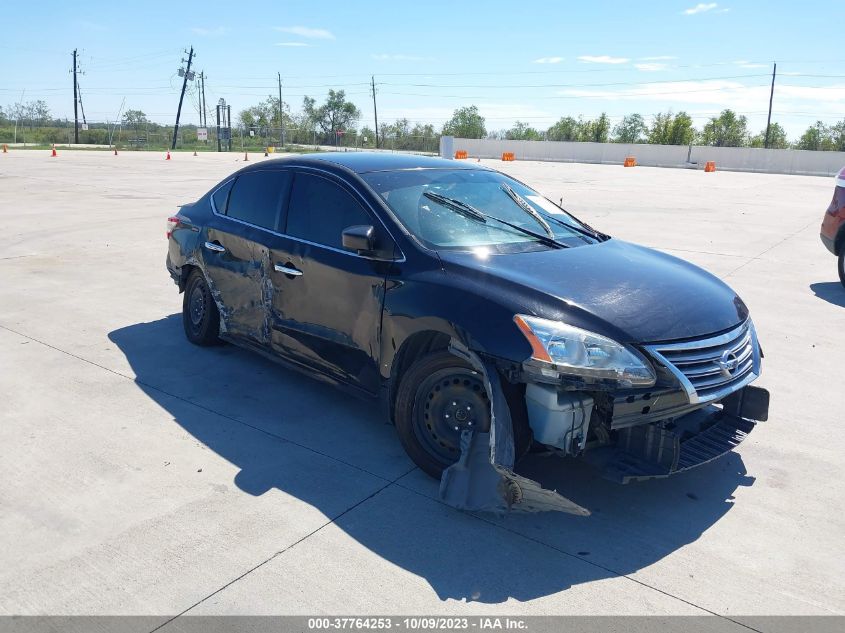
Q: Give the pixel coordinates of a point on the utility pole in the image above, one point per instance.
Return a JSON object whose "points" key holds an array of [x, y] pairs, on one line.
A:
{"points": [[375, 110], [771, 96], [219, 148], [203, 106], [181, 96], [75, 103], [281, 112]]}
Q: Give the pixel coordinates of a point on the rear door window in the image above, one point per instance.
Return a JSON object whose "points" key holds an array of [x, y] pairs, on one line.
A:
{"points": [[258, 197], [320, 209]]}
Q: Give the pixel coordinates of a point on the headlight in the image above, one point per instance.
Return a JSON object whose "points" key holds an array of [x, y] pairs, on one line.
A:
{"points": [[577, 352]]}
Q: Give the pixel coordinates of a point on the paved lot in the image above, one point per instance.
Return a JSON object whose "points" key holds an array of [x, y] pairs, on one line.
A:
{"points": [[142, 475]]}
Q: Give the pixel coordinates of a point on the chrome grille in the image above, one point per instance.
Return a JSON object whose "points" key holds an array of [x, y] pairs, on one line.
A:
{"points": [[711, 368]]}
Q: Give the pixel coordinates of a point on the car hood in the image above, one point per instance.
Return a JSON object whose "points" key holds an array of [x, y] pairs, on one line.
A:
{"points": [[628, 292]]}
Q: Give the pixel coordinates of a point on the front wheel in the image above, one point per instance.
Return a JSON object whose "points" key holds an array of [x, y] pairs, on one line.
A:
{"points": [[842, 265], [439, 397], [199, 312]]}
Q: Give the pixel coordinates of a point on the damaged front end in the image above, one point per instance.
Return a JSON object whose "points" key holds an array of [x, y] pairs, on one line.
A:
{"points": [[483, 477], [697, 406]]}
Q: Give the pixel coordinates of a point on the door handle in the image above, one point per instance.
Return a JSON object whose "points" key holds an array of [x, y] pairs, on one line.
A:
{"points": [[287, 270], [215, 247]]}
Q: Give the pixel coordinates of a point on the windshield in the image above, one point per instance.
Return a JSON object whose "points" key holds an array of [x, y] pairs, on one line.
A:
{"points": [[429, 204]]}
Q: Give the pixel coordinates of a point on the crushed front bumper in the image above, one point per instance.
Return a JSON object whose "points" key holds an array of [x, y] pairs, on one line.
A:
{"points": [[652, 451]]}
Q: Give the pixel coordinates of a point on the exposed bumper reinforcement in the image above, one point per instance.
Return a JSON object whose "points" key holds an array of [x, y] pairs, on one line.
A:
{"points": [[663, 454]]}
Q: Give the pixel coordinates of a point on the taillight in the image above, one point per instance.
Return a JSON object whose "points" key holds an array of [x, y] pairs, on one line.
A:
{"points": [[172, 223]]}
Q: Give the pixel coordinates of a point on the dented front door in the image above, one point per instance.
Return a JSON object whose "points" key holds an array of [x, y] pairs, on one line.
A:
{"points": [[326, 307]]}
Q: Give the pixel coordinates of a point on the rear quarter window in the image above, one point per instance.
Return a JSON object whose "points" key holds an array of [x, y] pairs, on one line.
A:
{"points": [[220, 197]]}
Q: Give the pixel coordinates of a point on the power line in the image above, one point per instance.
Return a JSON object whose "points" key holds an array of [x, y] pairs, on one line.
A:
{"points": [[589, 85]]}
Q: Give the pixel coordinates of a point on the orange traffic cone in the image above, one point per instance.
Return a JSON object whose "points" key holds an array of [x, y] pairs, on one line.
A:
{"points": [[5, 149], [54, 154], [245, 156], [168, 155]]}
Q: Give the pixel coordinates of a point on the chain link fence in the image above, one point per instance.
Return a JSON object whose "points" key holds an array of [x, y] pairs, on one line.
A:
{"points": [[155, 136]]}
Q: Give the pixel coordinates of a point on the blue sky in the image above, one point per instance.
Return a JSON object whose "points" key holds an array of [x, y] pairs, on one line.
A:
{"points": [[533, 61]]}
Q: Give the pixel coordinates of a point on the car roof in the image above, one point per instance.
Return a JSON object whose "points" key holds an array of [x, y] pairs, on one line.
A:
{"points": [[363, 162]]}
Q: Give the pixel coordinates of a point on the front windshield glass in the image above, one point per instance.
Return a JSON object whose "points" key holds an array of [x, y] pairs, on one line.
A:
{"points": [[431, 220]]}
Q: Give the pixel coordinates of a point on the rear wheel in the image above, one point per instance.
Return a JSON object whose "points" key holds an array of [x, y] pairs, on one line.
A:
{"points": [[439, 397], [199, 312], [842, 265]]}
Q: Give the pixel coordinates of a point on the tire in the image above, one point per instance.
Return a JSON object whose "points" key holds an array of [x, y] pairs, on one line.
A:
{"points": [[200, 317], [842, 265], [438, 393]]}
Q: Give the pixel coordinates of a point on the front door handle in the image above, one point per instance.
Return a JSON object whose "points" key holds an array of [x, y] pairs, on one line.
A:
{"points": [[287, 270], [215, 247]]}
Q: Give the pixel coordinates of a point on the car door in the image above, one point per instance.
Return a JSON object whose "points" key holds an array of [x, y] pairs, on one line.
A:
{"points": [[327, 301], [234, 255]]}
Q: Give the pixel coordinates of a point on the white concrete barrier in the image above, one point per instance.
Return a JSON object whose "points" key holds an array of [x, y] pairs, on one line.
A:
{"points": [[773, 161]]}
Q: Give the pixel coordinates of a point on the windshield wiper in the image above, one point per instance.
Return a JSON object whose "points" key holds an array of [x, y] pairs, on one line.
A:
{"points": [[466, 210], [522, 204], [469, 211], [584, 228]]}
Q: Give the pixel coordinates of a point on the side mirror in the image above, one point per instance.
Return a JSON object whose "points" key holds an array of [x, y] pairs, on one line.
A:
{"points": [[359, 238]]}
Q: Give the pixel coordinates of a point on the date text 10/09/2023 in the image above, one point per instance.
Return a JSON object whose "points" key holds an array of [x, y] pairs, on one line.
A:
{"points": [[417, 623]]}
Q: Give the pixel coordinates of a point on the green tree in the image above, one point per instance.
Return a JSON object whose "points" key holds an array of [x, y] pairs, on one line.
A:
{"points": [[523, 132], [597, 131], [726, 130], [681, 131], [671, 129], [36, 113], [631, 129], [134, 119], [837, 136], [466, 123], [368, 137], [816, 137], [335, 114], [777, 138], [566, 129]]}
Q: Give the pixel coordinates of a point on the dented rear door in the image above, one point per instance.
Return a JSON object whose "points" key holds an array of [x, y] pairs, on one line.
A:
{"points": [[235, 253]]}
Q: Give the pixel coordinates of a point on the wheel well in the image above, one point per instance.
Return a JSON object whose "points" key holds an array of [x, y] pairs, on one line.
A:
{"points": [[414, 347], [839, 244], [185, 272], [423, 343]]}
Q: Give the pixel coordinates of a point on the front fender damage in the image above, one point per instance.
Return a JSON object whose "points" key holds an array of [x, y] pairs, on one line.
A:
{"points": [[483, 477]]}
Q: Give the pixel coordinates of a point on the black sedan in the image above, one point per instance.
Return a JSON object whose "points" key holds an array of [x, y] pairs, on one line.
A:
{"points": [[487, 318]]}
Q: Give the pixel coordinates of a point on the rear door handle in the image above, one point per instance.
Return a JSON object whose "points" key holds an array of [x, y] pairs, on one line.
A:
{"points": [[287, 270], [215, 247]]}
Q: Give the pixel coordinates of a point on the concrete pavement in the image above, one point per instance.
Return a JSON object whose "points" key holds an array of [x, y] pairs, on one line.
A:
{"points": [[142, 475]]}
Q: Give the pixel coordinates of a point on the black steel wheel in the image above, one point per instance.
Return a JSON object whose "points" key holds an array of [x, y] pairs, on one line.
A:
{"points": [[439, 397], [200, 317]]}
